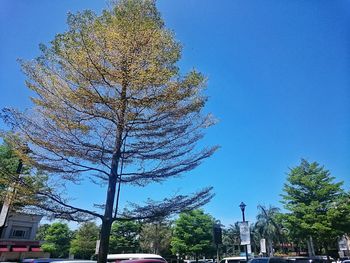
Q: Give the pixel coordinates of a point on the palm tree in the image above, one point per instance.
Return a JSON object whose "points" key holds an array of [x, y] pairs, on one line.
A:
{"points": [[231, 239], [267, 227]]}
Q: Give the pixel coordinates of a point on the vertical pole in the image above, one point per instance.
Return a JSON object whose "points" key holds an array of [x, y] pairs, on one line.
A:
{"points": [[217, 253], [242, 206]]}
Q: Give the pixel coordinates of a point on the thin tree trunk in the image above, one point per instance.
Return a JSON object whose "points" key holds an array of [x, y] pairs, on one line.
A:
{"points": [[310, 247], [108, 219], [111, 192]]}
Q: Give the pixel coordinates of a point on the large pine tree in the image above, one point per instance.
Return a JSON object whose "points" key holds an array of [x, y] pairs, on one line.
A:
{"points": [[312, 196], [111, 104]]}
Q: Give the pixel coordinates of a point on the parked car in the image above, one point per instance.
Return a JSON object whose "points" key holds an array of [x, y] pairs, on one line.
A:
{"points": [[269, 260], [316, 259], [76, 261], [143, 260], [120, 257], [234, 260], [40, 260]]}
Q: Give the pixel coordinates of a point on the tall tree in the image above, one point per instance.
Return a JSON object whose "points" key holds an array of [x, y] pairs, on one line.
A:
{"points": [[57, 240], [110, 103], [310, 196], [192, 234], [125, 237], [83, 244]]}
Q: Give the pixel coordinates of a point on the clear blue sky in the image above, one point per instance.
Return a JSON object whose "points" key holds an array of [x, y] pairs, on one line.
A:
{"points": [[278, 81]]}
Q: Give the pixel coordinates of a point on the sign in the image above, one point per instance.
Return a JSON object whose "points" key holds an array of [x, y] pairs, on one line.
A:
{"points": [[249, 249], [263, 245], [244, 233], [97, 246], [343, 244]]}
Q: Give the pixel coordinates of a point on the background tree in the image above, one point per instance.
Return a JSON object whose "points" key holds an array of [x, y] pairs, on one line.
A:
{"points": [[192, 234], [83, 244], [267, 227], [18, 180], [125, 237], [42, 232], [111, 104], [155, 237], [310, 196], [231, 240], [57, 240]]}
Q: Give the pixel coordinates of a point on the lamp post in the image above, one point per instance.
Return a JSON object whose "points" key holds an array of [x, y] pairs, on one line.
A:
{"points": [[242, 206]]}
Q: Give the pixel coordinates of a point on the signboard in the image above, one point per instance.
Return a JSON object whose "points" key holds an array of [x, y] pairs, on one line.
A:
{"points": [[343, 244], [244, 233], [97, 248], [249, 249], [263, 245]]}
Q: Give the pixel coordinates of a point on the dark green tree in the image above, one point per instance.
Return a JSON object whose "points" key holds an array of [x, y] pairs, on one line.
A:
{"points": [[83, 244], [57, 240], [155, 237], [125, 237], [42, 231], [231, 240], [311, 197], [193, 234]]}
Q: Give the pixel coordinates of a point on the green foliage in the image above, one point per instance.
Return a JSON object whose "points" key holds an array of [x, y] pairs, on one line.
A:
{"points": [[17, 175], [192, 234], [42, 231], [155, 237], [231, 240], [83, 244], [125, 237], [311, 196], [267, 226], [57, 240]]}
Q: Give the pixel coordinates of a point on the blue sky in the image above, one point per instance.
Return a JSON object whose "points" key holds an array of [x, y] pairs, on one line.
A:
{"points": [[278, 81]]}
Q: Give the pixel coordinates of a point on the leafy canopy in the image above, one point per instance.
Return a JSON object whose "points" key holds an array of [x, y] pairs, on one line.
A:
{"points": [[83, 244], [125, 237], [311, 196], [192, 234], [111, 106], [16, 176], [57, 240]]}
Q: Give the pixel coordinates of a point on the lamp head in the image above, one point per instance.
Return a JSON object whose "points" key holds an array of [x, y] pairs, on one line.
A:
{"points": [[242, 206]]}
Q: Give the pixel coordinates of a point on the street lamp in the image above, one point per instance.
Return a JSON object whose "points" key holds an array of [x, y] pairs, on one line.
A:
{"points": [[242, 206]]}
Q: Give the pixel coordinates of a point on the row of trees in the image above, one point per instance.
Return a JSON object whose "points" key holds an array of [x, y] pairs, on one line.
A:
{"points": [[317, 215], [189, 235]]}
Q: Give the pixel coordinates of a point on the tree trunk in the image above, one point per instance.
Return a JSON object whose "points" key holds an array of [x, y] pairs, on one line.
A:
{"points": [[310, 247], [112, 182], [108, 216], [270, 248]]}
